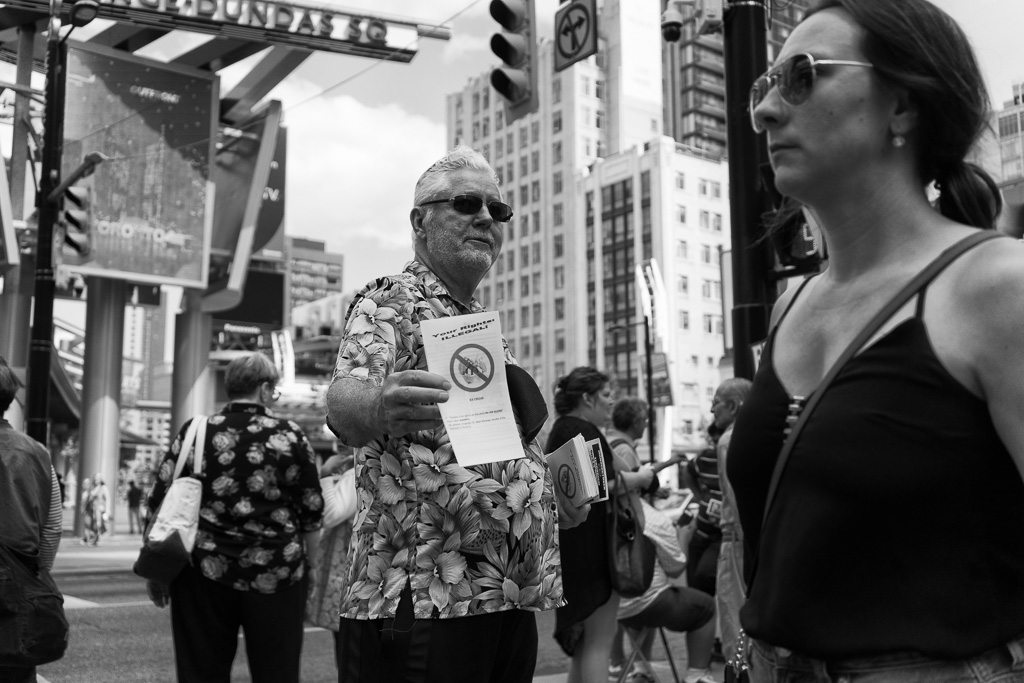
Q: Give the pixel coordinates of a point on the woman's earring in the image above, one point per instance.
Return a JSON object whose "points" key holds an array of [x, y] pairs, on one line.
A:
{"points": [[898, 140]]}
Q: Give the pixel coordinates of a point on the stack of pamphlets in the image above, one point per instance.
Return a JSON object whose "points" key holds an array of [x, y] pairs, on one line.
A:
{"points": [[578, 470]]}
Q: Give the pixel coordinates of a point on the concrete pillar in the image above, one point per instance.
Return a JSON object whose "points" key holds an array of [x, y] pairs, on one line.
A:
{"points": [[16, 299], [100, 431], [192, 383]]}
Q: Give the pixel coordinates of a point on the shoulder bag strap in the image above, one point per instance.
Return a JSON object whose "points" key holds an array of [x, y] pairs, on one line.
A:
{"points": [[200, 445], [186, 445], [920, 281]]}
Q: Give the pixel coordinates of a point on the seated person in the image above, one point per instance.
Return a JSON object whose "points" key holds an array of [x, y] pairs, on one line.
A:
{"points": [[668, 605]]}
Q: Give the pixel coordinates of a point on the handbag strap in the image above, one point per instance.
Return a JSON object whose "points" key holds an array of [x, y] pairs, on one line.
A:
{"points": [[195, 437], [920, 281]]}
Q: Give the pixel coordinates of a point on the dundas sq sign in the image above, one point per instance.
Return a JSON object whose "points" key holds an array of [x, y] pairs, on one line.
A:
{"points": [[272, 22]]}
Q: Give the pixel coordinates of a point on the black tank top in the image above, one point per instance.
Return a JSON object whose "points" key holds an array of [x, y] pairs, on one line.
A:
{"points": [[899, 521]]}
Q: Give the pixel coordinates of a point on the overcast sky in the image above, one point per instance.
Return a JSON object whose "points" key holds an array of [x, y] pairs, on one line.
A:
{"points": [[356, 151]]}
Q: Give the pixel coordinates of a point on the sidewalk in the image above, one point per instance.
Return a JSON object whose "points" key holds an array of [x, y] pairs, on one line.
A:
{"points": [[116, 552]]}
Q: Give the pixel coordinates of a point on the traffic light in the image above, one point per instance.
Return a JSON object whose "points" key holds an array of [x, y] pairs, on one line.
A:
{"points": [[77, 219], [516, 79]]}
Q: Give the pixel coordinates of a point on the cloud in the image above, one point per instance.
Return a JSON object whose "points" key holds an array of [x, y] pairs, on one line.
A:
{"points": [[463, 45], [350, 175]]}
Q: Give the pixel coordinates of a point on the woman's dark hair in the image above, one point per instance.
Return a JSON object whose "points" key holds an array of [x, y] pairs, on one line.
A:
{"points": [[569, 390], [915, 45], [8, 385]]}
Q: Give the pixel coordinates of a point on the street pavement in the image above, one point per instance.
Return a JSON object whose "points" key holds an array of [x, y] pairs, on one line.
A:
{"points": [[117, 551]]}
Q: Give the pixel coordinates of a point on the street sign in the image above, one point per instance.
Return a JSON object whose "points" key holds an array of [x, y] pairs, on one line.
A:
{"points": [[575, 32]]}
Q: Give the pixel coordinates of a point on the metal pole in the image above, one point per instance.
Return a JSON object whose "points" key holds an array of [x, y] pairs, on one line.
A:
{"points": [[746, 58], [648, 354], [38, 422]]}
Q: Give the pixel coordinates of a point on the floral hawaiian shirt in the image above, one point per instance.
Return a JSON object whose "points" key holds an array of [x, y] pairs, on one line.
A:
{"points": [[468, 540], [261, 491]]}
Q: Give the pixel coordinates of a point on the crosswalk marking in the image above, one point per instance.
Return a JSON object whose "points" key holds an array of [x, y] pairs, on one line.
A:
{"points": [[71, 602]]}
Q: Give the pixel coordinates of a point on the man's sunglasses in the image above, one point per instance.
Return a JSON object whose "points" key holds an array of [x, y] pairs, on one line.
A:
{"points": [[470, 205], [795, 79]]}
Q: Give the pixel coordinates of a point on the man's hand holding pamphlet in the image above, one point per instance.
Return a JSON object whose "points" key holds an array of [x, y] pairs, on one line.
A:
{"points": [[577, 467]]}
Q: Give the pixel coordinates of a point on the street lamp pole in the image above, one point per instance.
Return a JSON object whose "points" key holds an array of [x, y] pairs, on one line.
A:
{"points": [[37, 422], [649, 354]]}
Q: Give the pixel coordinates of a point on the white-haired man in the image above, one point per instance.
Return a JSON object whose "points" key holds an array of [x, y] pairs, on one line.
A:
{"points": [[449, 564]]}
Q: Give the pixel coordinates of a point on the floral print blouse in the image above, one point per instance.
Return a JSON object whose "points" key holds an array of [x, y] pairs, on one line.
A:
{"points": [[261, 491], [468, 540]]}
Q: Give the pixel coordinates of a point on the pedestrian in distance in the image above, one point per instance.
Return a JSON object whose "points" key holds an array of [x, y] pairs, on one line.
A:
{"points": [[867, 563], [449, 563], [259, 522], [134, 497], [88, 518], [31, 514], [585, 627], [730, 590]]}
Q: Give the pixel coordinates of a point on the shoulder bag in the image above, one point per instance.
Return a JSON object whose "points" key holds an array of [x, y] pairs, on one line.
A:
{"points": [[631, 554], [920, 281], [33, 627], [170, 537]]}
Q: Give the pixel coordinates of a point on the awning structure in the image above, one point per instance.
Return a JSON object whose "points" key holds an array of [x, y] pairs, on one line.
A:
{"points": [[66, 404]]}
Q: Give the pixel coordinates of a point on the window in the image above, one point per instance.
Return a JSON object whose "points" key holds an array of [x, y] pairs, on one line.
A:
{"points": [[499, 148], [585, 85], [534, 160], [695, 360], [683, 284], [524, 342], [559, 308], [499, 120], [524, 256], [499, 292], [536, 315], [486, 296], [501, 265], [498, 172], [525, 218], [509, 144], [511, 317], [556, 122], [705, 253], [511, 260], [487, 99], [703, 188], [524, 195], [559, 369], [681, 214], [556, 185], [476, 103], [536, 283], [716, 189], [523, 168], [524, 285], [536, 253], [711, 361], [556, 90], [511, 289], [487, 152], [682, 251], [556, 152], [487, 126], [599, 89], [684, 320], [705, 289], [536, 345], [536, 222], [557, 215], [600, 119], [709, 323], [522, 137], [524, 316], [705, 220], [535, 131], [535, 191], [680, 181], [559, 341], [510, 171], [559, 277], [512, 346], [476, 131], [559, 246]]}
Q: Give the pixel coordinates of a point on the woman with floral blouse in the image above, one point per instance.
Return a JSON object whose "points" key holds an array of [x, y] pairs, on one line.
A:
{"points": [[258, 525]]}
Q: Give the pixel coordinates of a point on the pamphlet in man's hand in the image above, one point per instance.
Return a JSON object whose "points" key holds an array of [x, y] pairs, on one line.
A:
{"points": [[577, 467]]}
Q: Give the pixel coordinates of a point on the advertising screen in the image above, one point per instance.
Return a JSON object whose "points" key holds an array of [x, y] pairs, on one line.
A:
{"points": [[152, 200]]}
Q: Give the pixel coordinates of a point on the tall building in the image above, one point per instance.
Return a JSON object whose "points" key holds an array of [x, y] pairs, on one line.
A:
{"points": [[313, 272], [694, 79], [1010, 122], [596, 189]]}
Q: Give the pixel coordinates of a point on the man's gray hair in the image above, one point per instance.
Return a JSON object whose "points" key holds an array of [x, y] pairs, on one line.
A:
{"points": [[434, 180]]}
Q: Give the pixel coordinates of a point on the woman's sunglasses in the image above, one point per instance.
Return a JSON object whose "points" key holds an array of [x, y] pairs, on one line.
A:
{"points": [[795, 79], [470, 205]]}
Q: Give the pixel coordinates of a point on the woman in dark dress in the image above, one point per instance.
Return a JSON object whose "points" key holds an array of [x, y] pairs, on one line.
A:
{"points": [[586, 625]]}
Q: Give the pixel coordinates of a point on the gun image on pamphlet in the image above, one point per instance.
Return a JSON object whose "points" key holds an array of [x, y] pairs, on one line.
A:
{"points": [[578, 470]]}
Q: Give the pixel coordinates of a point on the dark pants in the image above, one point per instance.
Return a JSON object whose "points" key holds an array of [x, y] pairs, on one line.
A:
{"points": [[206, 616], [489, 648], [702, 562], [17, 674]]}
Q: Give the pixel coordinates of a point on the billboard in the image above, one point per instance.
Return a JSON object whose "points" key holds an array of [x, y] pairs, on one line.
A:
{"points": [[152, 200]]}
